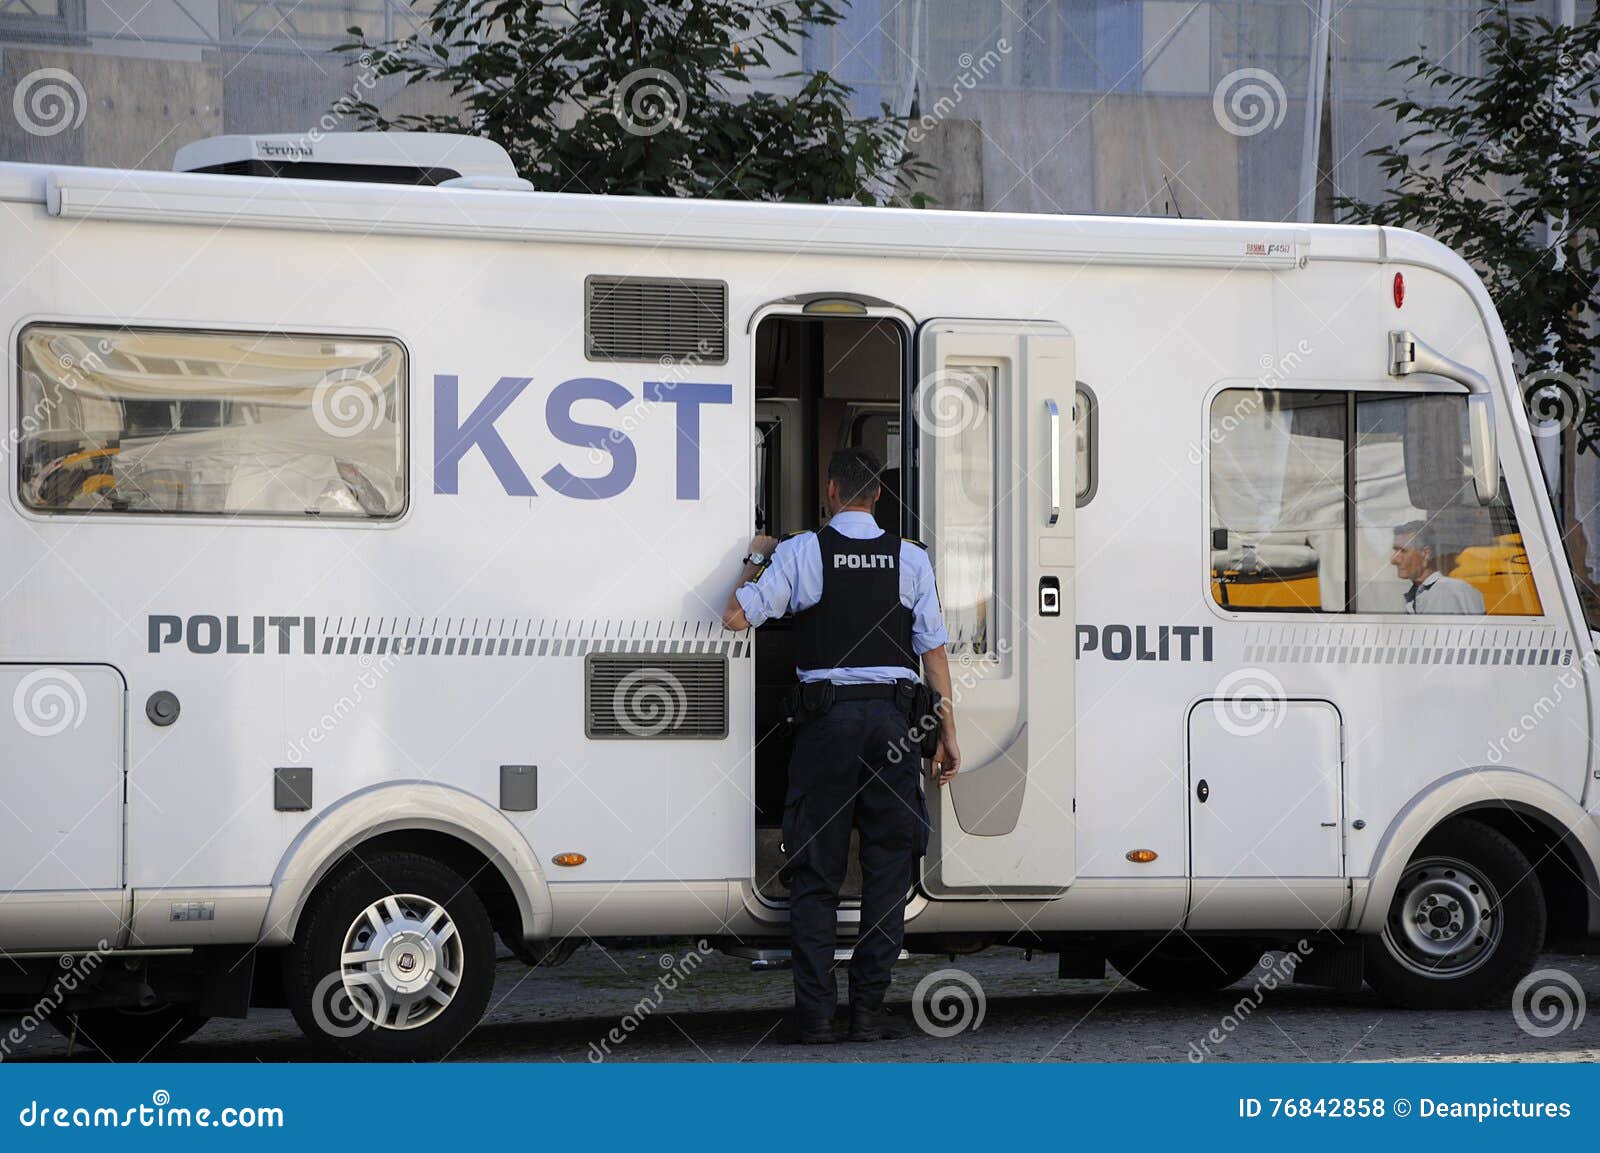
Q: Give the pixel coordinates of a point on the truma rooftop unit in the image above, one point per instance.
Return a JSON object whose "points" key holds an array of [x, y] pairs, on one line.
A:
{"points": [[422, 158]]}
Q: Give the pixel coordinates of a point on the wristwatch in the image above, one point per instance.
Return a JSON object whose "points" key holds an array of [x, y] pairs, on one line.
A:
{"points": [[756, 558]]}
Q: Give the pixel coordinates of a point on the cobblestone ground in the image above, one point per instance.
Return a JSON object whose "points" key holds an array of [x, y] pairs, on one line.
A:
{"points": [[722, 1011]]}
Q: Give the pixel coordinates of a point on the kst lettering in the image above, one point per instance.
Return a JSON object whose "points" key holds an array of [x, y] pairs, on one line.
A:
{"points": [[1146, 642], [454, 438], [209, 634]]}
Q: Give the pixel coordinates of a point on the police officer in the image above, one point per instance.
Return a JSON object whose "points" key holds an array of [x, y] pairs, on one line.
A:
{"points": [[865, 611]]}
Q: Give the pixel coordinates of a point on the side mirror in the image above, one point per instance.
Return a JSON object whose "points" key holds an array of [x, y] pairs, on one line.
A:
{"points": [[1485, 452], [1407, 355]]}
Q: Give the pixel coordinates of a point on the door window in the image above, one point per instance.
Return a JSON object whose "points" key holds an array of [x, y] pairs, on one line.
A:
{"points": [[961, 404]]}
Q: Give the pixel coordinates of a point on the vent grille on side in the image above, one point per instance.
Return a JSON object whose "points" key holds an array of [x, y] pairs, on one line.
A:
{"points": [[646, 319], [655, 696]]}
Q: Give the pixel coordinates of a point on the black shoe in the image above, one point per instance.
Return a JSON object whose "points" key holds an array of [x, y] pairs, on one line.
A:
{"points": [[874, 1025], [799, 1032]]}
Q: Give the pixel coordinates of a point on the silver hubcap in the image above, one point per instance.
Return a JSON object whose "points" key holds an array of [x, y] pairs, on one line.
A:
{"points": [[1445, 921], [402, 962]]}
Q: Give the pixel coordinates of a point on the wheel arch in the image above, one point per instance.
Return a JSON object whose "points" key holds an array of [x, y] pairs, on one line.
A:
{"points": [[1550, 828], [449, 824]]}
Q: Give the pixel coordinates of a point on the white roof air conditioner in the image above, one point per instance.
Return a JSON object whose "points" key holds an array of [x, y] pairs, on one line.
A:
{"points": [[424, 158]]}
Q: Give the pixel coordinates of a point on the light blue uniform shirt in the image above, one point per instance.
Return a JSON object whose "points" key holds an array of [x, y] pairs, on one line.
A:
{"points": [[792, 583]]}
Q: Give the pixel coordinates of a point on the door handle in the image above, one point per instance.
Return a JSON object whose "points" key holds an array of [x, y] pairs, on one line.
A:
{"points": [[1054, 411], [1202, 791]]}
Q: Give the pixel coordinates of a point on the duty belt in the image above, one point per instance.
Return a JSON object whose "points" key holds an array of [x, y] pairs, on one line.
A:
{"points": [[870, 692]]}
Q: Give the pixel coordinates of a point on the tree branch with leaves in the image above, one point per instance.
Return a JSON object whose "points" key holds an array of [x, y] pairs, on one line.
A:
{"points": [[648, 98], [1503, 168]]}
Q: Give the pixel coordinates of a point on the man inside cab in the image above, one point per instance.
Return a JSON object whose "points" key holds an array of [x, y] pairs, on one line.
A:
{"points": [[867, 622], [1416, 559]]}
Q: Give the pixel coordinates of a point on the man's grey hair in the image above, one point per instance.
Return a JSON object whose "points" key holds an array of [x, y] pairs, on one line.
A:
{"points": [[1419, 534]]}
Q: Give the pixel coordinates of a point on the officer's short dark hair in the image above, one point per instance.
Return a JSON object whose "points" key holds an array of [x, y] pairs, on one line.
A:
{"points": [[856, 472]]}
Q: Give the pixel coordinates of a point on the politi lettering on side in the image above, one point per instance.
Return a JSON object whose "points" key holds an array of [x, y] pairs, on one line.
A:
{"points": [[205, 634], [1146, 642], [856, 560], [455, 436]]}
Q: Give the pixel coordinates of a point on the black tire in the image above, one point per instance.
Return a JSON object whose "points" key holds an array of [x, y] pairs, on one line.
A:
{"points": [[1180, 966], [346, 1018], [1498, 918], [128, 1034]]}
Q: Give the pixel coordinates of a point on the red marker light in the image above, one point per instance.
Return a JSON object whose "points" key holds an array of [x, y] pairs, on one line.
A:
{"points": [[1399, 289]]}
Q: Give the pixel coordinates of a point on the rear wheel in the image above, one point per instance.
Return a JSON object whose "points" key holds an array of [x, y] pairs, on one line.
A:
{"points": [[128, 1034], [1465, 925], [1182, 966], [394, 960]]}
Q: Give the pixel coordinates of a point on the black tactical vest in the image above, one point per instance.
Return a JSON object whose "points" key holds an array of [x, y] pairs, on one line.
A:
{"points": [[860, 620]]}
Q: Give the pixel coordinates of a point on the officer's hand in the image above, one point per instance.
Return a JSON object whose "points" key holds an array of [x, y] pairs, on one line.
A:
{"points": [[763, 545], [946, 759]]}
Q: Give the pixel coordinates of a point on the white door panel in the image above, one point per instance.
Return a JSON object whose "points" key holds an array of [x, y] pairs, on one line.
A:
{"points": [[995, 473], [61, 788], [1265, 788]]}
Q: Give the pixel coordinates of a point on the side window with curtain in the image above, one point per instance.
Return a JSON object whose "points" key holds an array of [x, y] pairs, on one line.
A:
{"points": [[1277, 500], [1357, 502], [132, 421]]}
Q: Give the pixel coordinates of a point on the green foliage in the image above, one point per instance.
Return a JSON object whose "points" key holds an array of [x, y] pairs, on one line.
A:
{"points": [[1503, 168], [647, 98]]}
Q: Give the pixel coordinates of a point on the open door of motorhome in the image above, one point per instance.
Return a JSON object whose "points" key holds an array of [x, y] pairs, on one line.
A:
{"points": [[992, 402]]}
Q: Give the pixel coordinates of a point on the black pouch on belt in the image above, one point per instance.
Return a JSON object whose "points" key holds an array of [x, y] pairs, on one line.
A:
{"points": [[924, 713], [809, 700]]}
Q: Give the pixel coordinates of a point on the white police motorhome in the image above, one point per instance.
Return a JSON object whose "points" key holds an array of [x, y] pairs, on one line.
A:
{"points": [[365, 547]]}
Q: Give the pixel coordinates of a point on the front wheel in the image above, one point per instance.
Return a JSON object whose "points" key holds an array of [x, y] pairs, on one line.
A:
{"points": [[394, 960], [1465, 925]]}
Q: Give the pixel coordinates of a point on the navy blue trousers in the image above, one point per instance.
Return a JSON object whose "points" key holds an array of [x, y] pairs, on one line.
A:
{"points": [[853, 767]]}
